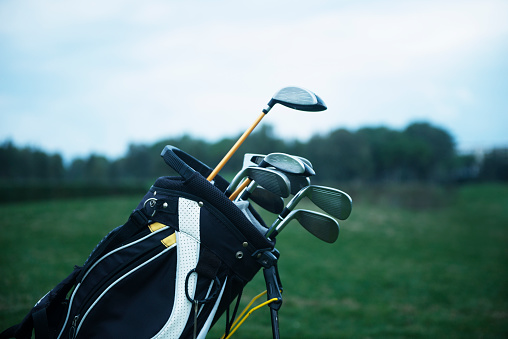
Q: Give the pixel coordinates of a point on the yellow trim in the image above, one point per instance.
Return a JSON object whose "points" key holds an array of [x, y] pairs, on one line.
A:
{"points": [[155, 226], [169, 241]]}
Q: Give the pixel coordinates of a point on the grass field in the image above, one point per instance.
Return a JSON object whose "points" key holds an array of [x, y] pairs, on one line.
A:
{"points": [[393, 273]]}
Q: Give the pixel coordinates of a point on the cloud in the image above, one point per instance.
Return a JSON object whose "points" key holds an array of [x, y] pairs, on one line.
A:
{"points": [[142, 71]]}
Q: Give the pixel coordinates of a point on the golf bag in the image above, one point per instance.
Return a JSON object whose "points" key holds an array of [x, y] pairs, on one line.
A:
{"points": [[184, 255]]}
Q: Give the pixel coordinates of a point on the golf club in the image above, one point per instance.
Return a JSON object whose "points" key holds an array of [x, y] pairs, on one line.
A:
{"points": [[272, 180], [267, 200], [251, 159], [279, 161], [306, 161], [293, 97], [331, 200], [318, 224], [297, 182]]}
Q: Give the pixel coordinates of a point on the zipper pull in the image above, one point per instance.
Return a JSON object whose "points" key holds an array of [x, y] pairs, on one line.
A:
{"points": [[74, 326]]}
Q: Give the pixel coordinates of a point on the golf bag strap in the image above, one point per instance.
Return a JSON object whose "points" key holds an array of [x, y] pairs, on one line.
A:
{"points": [[186, 165], [207, 267], [183, 163], [208, 264]]}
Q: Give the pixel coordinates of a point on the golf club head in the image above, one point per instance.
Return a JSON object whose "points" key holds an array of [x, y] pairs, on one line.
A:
{"points": [[284, 162], [331, 200], [272, 180], [292, 97], [309, 170], [251, 159], [297, 98], [305, 161], [267, 200], [297, 182], [318, 224]]}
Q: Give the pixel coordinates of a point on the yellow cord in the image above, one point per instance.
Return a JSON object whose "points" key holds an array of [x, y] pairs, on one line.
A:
{"points": [[246, 308], [248, 314], [240, 319]]}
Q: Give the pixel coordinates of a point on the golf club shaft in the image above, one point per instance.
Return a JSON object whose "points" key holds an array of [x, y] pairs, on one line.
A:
{"points": [[273, 227], [235, 148], [239, 189]]}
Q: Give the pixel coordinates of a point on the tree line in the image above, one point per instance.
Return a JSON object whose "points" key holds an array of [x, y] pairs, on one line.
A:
{"points": [[421, 152]]}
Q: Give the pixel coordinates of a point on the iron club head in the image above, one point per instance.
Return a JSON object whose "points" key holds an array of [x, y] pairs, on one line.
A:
{"points": [[331, 200], [270, 179], [318, 224]]}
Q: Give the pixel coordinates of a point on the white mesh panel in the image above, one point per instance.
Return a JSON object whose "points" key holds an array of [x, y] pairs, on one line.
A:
{"points": [[187, 244]]}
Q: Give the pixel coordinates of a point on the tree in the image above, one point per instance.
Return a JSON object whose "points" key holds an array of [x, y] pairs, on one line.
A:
{"points": [[341, 155], [433, 148], [388, 151], [138, 162], [495, 165], [29, 163]]}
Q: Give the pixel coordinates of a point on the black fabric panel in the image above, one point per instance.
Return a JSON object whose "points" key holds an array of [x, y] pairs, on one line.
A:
{"points": [[109, 268], [136, 307], [226, 244]]}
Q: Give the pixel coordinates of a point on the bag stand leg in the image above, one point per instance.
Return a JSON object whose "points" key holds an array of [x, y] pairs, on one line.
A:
{"points": [[268, 259]]}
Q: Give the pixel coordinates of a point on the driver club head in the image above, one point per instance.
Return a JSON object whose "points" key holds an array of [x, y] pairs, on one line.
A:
{"points": [[297, 98]]}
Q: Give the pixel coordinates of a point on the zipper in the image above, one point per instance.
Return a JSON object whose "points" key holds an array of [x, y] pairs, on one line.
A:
{"points": [[72, 330]]}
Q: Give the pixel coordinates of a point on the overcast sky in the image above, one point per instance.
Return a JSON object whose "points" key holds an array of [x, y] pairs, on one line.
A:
{"points": [[92, 76]]}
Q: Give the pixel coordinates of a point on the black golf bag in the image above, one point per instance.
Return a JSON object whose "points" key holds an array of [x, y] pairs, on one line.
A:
{"points": [[176, 265]]}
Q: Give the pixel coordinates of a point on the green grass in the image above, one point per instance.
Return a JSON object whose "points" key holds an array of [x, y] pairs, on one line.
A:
{"points": [[393, 273]]}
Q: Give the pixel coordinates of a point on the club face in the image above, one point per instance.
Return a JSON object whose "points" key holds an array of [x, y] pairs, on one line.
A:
{"points": [[298, 98], [320, 225], [333, 201], [267, 200], [271, 180]]}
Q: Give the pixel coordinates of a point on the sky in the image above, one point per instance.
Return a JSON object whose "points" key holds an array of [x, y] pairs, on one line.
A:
{"points": [[81, 77]]}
